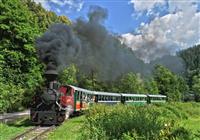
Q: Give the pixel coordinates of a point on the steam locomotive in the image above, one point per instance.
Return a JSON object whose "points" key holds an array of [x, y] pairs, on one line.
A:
{"points": [[56, 102], [48, 106]]}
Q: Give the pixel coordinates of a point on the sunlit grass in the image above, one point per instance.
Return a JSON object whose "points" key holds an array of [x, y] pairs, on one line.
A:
{"points": [[69, 130], [192, 123], [10, 130]]}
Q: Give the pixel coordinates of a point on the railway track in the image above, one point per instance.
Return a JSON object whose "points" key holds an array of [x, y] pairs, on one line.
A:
{"points": [[34, 133]]}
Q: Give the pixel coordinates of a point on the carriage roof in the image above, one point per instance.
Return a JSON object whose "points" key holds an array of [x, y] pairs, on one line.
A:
{"points": [[162, 96], [94, 92], [107, 93], [134, 95], [82, 90]]}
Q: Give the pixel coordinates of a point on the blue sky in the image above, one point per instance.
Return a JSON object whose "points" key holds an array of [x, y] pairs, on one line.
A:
{"points": [[122, 15], [119, 19]]}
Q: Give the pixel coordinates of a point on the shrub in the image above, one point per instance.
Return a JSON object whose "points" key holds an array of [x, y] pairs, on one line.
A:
{"points": [[10, 98], [117, 121], [150, 122]]}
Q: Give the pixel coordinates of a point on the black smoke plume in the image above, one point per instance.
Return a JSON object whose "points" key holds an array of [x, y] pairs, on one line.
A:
{"points": [[90, 46]]}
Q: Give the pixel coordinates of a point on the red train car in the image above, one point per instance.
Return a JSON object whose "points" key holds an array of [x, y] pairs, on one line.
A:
{"points": [[75, 99]]}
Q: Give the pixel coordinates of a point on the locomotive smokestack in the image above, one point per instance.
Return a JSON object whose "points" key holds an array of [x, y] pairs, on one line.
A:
{"points": [[51, 73]]}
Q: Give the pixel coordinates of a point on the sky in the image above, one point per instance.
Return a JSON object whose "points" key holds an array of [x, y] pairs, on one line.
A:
{"points": [[151, 28]]}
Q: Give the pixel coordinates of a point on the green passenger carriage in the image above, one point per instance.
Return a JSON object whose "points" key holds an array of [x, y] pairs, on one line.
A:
{"points": [[134, 99]]}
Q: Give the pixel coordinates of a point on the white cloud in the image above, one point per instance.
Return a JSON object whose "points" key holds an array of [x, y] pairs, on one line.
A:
{"points": [[76, 5], [177, 30], [142, 5], [147, 7]]}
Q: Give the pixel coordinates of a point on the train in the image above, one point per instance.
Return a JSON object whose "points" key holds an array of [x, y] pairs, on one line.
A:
{"points": [[55, 102]]}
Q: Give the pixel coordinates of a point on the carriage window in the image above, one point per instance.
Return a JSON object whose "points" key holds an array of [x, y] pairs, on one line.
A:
{"points": [[78, 95], [99, 97], [116, 98], [68, 92], [88, 97], [102, 97], [82, 96]]}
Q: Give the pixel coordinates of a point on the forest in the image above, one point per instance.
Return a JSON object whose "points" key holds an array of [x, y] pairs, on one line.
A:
{"points": [[21, 72]]}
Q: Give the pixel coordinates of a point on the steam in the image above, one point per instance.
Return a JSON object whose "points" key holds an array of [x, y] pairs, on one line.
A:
{"points": [[90, 46]]}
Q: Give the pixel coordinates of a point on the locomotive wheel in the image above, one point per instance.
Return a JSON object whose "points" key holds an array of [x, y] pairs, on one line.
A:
{"points": [[60, 118]]}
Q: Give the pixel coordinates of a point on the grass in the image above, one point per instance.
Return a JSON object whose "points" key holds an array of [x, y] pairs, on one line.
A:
{"points": [[146, 122], [187, 115], [192, 123], [12, 129], [69, 130]]}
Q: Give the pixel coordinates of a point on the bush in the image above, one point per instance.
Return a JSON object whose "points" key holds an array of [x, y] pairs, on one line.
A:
{"points": [[150, 122], [116, 122], [10, 98]]}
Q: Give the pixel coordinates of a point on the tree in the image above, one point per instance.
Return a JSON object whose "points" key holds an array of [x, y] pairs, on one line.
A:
{"points": [[151, 87], [18, 28], [131, 83], [21, 21], [168, 83], [45, 18], [91, 81], [196, 87], [69, 75], [191, 57]]}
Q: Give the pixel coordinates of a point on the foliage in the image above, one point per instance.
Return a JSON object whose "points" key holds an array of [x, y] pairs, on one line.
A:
{"points": [[150, 122], [151, 87], [20, 68], [196, 87], [45, 18], [168, 83], [191, 57], [91, 82], [10, 97], [68, 76], [131, 83], [21, 22]]}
